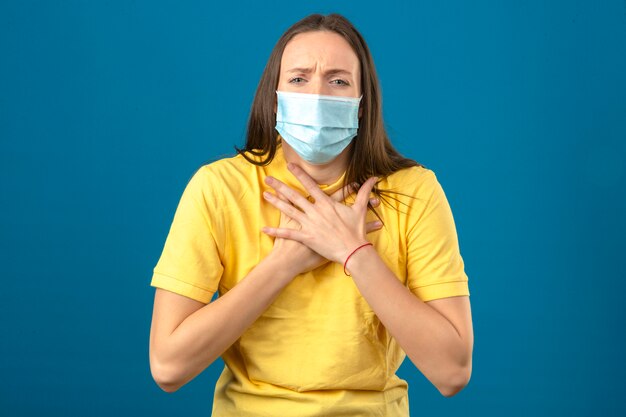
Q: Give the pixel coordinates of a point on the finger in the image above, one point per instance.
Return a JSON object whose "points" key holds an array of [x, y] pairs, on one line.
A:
{"points": [[342, 193], [373, 226], [284, 207], [374, 202], [282, 197], [363, 195], [309, 183], [284, 233], [287, 192]]}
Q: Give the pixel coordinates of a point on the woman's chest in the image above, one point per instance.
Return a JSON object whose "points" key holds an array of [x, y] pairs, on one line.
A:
{"points": [[245, 245]]}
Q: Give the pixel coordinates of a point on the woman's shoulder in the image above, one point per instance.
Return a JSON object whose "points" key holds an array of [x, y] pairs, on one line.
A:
{"points": [[416, 179], [227, 167], [218, 179], [412, 189]]}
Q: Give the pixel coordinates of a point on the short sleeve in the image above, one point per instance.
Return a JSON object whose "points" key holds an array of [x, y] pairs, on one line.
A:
{"points": [[190, 264], [435, 268]]}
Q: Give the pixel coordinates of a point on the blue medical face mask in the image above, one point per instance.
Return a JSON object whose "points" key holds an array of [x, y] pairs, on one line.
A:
{"points": [[317, 127]]}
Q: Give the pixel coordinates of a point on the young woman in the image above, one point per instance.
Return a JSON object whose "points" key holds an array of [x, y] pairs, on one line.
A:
{"points": [[334, 256]]}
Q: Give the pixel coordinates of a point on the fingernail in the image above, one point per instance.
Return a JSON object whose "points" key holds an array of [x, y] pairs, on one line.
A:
{"points": [[266, 194], [269, 180], [378, 223]]}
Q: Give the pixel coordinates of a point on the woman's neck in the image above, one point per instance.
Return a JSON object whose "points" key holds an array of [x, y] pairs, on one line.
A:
{"points": [[322, 174]]}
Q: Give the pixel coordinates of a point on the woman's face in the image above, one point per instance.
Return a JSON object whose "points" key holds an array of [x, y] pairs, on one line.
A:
{"points": [[320, 62]]}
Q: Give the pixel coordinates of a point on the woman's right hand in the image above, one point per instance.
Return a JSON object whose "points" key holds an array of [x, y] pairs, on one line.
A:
{"points": [[299, 258]]}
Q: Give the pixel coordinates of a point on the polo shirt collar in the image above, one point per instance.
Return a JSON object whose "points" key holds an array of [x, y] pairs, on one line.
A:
{"points": [[278, 169]]}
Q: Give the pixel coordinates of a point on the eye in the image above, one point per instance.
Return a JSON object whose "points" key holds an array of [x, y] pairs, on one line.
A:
{"points": [[339, 81], [296, 80]]}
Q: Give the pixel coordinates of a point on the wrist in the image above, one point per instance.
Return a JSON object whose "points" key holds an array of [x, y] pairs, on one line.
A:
{"points": [[348, 247], [355, 252], [280, 270]]}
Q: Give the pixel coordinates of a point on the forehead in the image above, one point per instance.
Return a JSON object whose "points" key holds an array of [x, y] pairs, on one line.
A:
{"points": [[319, 47]]}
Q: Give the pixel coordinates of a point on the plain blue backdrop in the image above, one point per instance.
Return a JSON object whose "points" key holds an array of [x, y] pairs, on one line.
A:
{"points": [[107, 109]]}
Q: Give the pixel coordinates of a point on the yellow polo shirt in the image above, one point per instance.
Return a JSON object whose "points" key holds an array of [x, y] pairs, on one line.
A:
{"points": [[319, 349]]}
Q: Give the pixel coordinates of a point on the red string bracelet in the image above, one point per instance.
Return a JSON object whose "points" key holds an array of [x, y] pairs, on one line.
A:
{"points": [[346, 262]]}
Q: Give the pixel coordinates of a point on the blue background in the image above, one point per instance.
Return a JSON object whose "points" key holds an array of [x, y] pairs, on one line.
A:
{"points": [[107, 109]]}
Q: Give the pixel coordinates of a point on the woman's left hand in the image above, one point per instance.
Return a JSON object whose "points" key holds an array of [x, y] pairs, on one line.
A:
{"points": [[328, 227]]}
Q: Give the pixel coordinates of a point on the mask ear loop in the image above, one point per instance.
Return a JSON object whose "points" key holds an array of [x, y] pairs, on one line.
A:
{"points": [[360, 106]]}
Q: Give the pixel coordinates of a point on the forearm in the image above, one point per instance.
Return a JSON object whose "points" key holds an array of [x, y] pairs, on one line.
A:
{"points": [[203, 336], [428, 338]]}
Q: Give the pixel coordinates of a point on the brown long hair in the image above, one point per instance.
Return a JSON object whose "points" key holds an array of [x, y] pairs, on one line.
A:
{"points": [[372, 153]]}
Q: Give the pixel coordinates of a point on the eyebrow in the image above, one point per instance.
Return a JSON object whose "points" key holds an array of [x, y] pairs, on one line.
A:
{"points": [[331, 71]]}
